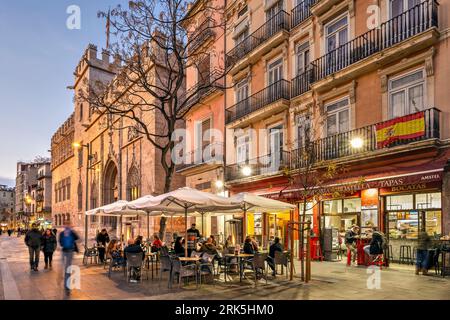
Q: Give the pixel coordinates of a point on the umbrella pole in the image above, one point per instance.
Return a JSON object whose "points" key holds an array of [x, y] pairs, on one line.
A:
{"points": [[203, 225], [148, 226], [120, 236], [186, 237]]}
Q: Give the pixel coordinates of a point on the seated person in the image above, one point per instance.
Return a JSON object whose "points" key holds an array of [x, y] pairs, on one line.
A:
{"points": [[134, 247], [214, 242], [248, 246], [229, 242], [209, 247], [179, 247], [276, 246], [156, 244], [113, 251]]}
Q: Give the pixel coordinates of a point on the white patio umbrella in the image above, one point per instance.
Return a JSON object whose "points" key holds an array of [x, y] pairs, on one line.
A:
{"points": [[253, 202], [186, 200], [119, 208]]}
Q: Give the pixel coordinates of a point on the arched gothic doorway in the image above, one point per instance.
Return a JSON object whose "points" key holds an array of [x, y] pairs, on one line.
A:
{"points": [[110, 191]]}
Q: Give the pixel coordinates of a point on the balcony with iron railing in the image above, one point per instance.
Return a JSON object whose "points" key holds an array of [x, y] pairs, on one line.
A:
{"points": [[279, 22], [211, 155], [364, 140], [266, 165], [301, 12], [417, 20], [280, 90], [202, 34], [211, 84]]}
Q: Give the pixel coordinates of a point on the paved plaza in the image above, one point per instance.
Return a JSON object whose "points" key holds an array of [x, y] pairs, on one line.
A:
{"points": [[330, 280]]}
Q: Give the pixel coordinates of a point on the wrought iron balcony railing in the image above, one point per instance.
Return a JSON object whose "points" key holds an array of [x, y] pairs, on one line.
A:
{"points": [[406, 25], [264, 165], [365, 140], [210, 154], [301, 12], [302, 83], [202, 34], [274, 92], [213, 82], [274, 25], [414, 21]]}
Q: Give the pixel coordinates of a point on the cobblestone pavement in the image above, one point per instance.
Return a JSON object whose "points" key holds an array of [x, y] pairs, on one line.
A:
{"points": [[330, 280]]}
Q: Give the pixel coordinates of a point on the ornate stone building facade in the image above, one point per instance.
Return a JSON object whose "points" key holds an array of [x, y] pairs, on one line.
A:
{"points": [[111, 161]]}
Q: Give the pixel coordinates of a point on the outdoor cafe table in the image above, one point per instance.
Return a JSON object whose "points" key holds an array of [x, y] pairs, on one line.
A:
{"points": [[189, 259], [240, 257]]}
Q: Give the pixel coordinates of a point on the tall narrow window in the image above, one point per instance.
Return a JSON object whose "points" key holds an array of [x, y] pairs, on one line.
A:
{"points": [[80, 196], [303, 58], [337, 117], [204, 69], [242, 149], [406, 94], [275, 71], [241, 98]]}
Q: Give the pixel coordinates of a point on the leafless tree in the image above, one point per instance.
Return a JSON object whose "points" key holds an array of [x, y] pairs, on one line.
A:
{"points": [[309, 173], [156, 41]]}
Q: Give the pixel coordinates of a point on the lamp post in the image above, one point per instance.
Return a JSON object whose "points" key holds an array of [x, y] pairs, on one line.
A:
{"points": [[77, 145]]}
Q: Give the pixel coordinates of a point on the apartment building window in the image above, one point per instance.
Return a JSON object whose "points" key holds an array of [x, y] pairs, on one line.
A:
{"points": [[241, 37], [243, 11], [276, 140], [338, 117], [302, 57], [303, 130], [204, 69], [242, 89], [274, 10], [275, 71], [202, 137], [406, 94], [397, 7], [242, 149], [336, 33]]}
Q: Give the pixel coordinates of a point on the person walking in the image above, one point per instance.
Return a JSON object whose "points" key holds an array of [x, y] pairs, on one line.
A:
{"points": [[102, 241], [67, 240], [49, 244], [423, 245], [33, 240]]}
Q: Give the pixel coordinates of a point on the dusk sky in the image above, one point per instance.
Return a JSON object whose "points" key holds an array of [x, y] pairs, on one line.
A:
{"points": [[38, 55]]}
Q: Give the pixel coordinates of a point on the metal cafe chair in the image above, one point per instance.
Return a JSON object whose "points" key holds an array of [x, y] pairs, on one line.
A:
{"points": [[281, 259], [206, 266], [135, 261], [259, 265], [165, 266], [90, 253], [187, 271], [117, 263]]}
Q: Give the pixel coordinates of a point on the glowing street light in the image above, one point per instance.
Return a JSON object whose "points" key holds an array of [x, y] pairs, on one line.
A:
{"points": [[76, 145], [246, 171], [219, 184], [357, 143]]}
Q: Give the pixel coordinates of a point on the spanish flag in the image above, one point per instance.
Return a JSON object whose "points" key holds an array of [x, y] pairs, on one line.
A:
{"points": [[403, 128]]}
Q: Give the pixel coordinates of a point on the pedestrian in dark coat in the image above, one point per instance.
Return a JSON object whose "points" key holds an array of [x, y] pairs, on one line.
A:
{"points": [[102, 240], [49, 244], [33, 240]]}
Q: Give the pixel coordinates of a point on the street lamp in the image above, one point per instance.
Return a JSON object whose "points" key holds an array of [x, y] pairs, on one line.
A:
{"points": [[246, 171], [78, 145], [357, 143]]}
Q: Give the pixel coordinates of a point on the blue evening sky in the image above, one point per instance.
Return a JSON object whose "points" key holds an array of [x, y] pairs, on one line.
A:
{"points": [[38, 55]]}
